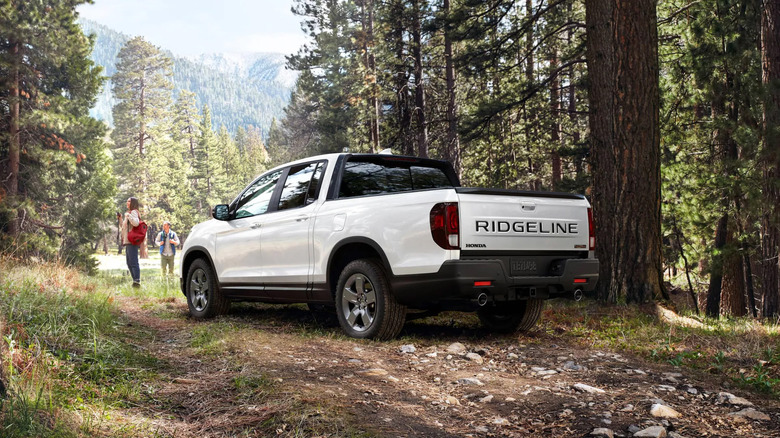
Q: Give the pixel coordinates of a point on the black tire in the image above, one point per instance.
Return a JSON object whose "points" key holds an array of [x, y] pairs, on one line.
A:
{"points": [[204, 298], [508, 318], [365, 305]]}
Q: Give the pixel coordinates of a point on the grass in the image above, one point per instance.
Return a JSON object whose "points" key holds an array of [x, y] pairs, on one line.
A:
{"points": [[74, 366], [66, 361], [742, 349]]}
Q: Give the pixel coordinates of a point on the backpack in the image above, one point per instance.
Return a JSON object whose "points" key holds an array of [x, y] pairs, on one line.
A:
{"points": [[137, 234]]}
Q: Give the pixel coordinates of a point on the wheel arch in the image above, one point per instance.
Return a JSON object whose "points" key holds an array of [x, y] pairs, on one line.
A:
{"points": [[192, 254], [350, 249]]}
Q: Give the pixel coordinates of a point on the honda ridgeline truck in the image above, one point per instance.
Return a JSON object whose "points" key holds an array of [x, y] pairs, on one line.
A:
{"points": [[373, 235]]}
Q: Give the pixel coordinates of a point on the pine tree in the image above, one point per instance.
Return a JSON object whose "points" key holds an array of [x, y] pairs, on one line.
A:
{"points": [[55, 172], [622, 55], [142, 86]]}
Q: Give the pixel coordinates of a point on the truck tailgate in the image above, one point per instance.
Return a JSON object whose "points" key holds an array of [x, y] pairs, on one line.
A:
{"points": [[496, 221]]}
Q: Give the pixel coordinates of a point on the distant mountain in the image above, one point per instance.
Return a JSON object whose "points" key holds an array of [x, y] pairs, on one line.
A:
{"points": [[240, 89]]}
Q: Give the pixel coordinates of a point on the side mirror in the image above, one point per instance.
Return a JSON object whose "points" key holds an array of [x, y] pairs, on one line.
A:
{"points": [[221, 212]]}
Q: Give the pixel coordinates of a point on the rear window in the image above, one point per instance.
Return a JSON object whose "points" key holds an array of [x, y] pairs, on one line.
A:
{"points": [[368, 178]]}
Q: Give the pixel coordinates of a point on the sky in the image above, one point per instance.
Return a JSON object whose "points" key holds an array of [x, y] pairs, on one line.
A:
{"points": [[192, 27]]}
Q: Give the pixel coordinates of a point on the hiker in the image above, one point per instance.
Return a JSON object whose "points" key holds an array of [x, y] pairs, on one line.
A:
{"points": [[167, 240], [131, 219]]}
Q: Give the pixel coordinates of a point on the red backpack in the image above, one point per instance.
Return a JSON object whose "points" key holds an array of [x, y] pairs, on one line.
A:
{"points": [[137, 234]]}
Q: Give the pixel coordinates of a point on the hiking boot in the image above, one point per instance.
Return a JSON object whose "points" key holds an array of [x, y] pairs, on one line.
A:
{"points": [[136, 284]]}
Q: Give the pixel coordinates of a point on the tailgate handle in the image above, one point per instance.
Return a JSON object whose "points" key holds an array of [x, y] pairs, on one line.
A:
{"points": [[528, 206]]}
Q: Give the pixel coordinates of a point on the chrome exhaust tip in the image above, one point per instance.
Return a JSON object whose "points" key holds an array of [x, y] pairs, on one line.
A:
{"points": [[577, 294], [482, 299]]}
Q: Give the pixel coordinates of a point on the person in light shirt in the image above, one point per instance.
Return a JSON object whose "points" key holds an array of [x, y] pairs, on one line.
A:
{"points": [[167, 240]]}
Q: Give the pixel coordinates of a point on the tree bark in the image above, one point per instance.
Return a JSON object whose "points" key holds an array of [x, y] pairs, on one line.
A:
{"points": [[370, 63], [555, 136], [770, 221], [14, 140], [419, 91], [453, 142], [622, 52]]}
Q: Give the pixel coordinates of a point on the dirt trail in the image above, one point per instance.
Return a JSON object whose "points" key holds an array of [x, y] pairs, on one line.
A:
{"points": [[437, 381]]}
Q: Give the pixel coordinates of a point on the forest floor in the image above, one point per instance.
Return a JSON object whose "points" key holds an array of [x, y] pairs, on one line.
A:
{"points": [[281, 370]]}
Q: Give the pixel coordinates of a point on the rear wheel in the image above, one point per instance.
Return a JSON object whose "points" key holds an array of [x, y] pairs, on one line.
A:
{"points": [[204, 298], [365, 305], [510, 317]]}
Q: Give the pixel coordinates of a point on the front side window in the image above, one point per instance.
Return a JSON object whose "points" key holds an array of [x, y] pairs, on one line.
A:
{"points": [[255, 199]]}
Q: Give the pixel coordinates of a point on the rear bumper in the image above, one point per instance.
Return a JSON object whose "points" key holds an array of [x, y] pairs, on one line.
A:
{"points": [[454, 284]]}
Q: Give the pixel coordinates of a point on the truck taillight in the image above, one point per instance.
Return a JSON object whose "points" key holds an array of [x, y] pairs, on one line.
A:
{"points": [[445, 227], [591, 232]]}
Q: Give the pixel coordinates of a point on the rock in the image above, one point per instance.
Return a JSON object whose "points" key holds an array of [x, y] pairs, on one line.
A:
{"points": [[510, 399], [372, 372], [482, 429], [474, 357], [486, 399], [666, 388], [456, 348], [408, 348], [603, 431], [571, 366], [546, 372], [632, 429], [434, 354], [652, 432], [627, 408], [751, 414], [450, 400], [692, 390], [587, 388], [512, 356], [470, 381], [726, 397], [675, 435], [662, 411], [498, 421]]}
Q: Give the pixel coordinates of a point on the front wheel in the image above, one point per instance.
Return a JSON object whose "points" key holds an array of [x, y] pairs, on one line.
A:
{"points": [[365, 304], [510, 317], [204, 298]]}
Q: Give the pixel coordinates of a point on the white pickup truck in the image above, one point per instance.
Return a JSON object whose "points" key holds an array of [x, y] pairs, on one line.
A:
{"points": [[375, 234]]}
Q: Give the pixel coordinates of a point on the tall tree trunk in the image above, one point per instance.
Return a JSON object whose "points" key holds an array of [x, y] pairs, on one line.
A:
{"points": [[14, 140], [733, 289], [530, 117], [573, 102], [555, 136], [770, 221], [622, 54], [403, 113], [370, 64], [716, 270], [419, 91], [453, 142]]}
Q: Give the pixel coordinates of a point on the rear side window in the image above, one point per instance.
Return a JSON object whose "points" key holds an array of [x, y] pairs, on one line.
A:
{"points": [[300, 187], [368, 178]]}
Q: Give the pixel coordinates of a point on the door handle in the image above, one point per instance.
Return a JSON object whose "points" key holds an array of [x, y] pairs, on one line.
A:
{"points": [[528, 207], [255, 226], [301, 218]]}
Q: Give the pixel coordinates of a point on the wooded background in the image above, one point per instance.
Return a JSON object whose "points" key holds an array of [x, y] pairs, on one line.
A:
{"points": [[665, 113]]}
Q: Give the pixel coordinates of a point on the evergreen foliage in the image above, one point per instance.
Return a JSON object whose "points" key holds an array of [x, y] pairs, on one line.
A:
{"points": [[56, 173]]}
